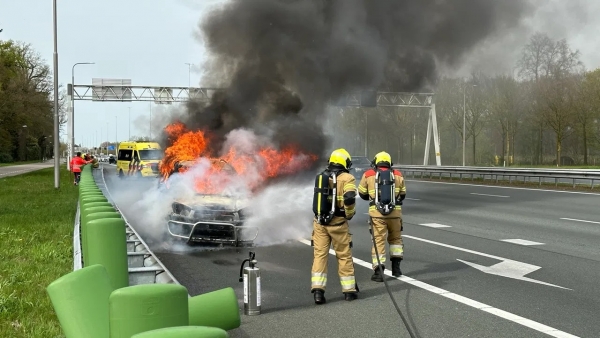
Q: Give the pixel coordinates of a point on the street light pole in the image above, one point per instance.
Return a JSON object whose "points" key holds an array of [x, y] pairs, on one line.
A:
{"points": [[464, 125], [150, 121], [72, 117], [129, 124], [56, 119], [189, 76], [116, 137]]}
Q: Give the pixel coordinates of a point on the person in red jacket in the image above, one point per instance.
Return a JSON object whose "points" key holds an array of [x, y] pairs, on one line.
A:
{"points": [[76, 163]]}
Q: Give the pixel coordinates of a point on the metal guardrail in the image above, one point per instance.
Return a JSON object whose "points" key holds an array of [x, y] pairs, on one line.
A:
{"points": [[589, 176], [144, 266]]}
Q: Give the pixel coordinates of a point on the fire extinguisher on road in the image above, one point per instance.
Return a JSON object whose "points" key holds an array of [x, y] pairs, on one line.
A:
{"points": [[251, 278]]}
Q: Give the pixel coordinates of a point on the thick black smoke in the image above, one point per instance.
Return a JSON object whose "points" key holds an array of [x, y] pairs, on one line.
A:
{"points": [[282, 61]]}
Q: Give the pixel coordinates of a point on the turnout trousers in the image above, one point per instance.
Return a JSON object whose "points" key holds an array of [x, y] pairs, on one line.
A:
{"points": [[339, 236], [387, 229]]}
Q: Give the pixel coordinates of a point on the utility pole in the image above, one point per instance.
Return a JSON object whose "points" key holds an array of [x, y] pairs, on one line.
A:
{"points": [[56, 117]]}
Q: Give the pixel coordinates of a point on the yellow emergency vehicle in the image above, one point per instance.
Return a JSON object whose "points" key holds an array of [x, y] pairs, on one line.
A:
{"points": [[138, 159]]}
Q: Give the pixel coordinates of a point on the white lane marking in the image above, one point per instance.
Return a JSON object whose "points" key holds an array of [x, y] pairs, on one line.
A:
{"points": [[502, 187], [413, 199], [435, 225], [511, 269], [521, 241], [580, 220], [464, 300], [474, 193], [507, 268]]}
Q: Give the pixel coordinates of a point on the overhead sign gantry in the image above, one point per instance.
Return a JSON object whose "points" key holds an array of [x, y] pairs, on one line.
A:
{"points": [[108, 91]]}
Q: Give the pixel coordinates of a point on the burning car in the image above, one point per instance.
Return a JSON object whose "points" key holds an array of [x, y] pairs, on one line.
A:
{"points": [[215, 218], [222, 181]]}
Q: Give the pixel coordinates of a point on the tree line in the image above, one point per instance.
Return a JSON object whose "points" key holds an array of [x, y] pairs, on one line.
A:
{"points": [[26, 104], [546, 112]]}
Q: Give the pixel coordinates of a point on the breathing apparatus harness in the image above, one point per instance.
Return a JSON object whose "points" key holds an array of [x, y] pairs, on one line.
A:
{"points": [[324, 198], [385, 206]]}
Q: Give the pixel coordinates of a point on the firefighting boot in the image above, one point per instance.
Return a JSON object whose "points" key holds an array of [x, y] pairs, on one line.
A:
{"points": [[350, 296], [396, 272], [319, 296], [377, 277]]}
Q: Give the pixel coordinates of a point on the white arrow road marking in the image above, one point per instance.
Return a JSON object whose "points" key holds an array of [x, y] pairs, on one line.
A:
{"points": [[466, 301], [511, 269], [516, 271]]}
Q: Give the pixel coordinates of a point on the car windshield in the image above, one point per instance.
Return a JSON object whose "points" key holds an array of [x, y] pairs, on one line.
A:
{"points": [[360, 161], [151, 154]]}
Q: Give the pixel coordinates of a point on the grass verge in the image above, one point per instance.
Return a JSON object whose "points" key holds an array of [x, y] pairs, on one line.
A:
{"points": [[36, 245]]}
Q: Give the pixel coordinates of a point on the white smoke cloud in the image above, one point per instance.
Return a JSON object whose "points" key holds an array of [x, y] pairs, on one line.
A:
{"points": [[282, 212]]}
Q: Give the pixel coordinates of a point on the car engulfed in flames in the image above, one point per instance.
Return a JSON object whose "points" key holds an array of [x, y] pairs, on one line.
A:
{"points": [[211, 218], [223, 185]]}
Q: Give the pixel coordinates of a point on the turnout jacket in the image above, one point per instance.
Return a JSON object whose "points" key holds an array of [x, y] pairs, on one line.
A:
{"points": [[366, 191]]}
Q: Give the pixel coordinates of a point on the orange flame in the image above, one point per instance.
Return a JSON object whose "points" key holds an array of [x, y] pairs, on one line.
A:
{"points": [[251, 168]]}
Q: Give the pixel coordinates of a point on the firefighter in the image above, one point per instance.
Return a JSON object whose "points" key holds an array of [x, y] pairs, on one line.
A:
{"points": [[334, 230], [94, 162], [385, 215], [76, 163]]}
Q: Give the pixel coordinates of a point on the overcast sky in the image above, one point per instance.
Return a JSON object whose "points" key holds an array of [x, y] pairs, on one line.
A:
{"points": [[149, 42]]}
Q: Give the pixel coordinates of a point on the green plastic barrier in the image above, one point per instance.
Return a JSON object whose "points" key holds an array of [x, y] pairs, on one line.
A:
{"points": [[90, 190], [85, 200], [80, 300], [147, 307], [91, 194], [106, 245], [184, 332], [90, 214], [216, 309], [93, 205]]}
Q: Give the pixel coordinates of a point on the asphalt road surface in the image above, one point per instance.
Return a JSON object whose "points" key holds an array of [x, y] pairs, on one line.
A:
{"points": [[479, 262], [14, 170]]}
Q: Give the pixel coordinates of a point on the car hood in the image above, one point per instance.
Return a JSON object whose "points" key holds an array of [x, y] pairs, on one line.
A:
{"points": [[221, 201]]}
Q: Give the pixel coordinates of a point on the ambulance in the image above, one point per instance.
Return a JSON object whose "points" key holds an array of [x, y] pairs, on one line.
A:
{"points": [[138, 159]]}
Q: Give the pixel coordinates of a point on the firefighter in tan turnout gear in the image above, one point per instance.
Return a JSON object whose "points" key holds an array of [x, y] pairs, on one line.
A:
{"points": [[333, 205], [384, 188]]}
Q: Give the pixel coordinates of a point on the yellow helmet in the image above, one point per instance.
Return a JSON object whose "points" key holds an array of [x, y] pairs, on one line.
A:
{"points": [[382, 157], [342, 157]]}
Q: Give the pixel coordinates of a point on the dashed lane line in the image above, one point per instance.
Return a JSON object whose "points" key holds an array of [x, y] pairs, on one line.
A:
{"points": [[435, 225], [466, 301], [521, 241], [489, 195], [579, 220]]}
